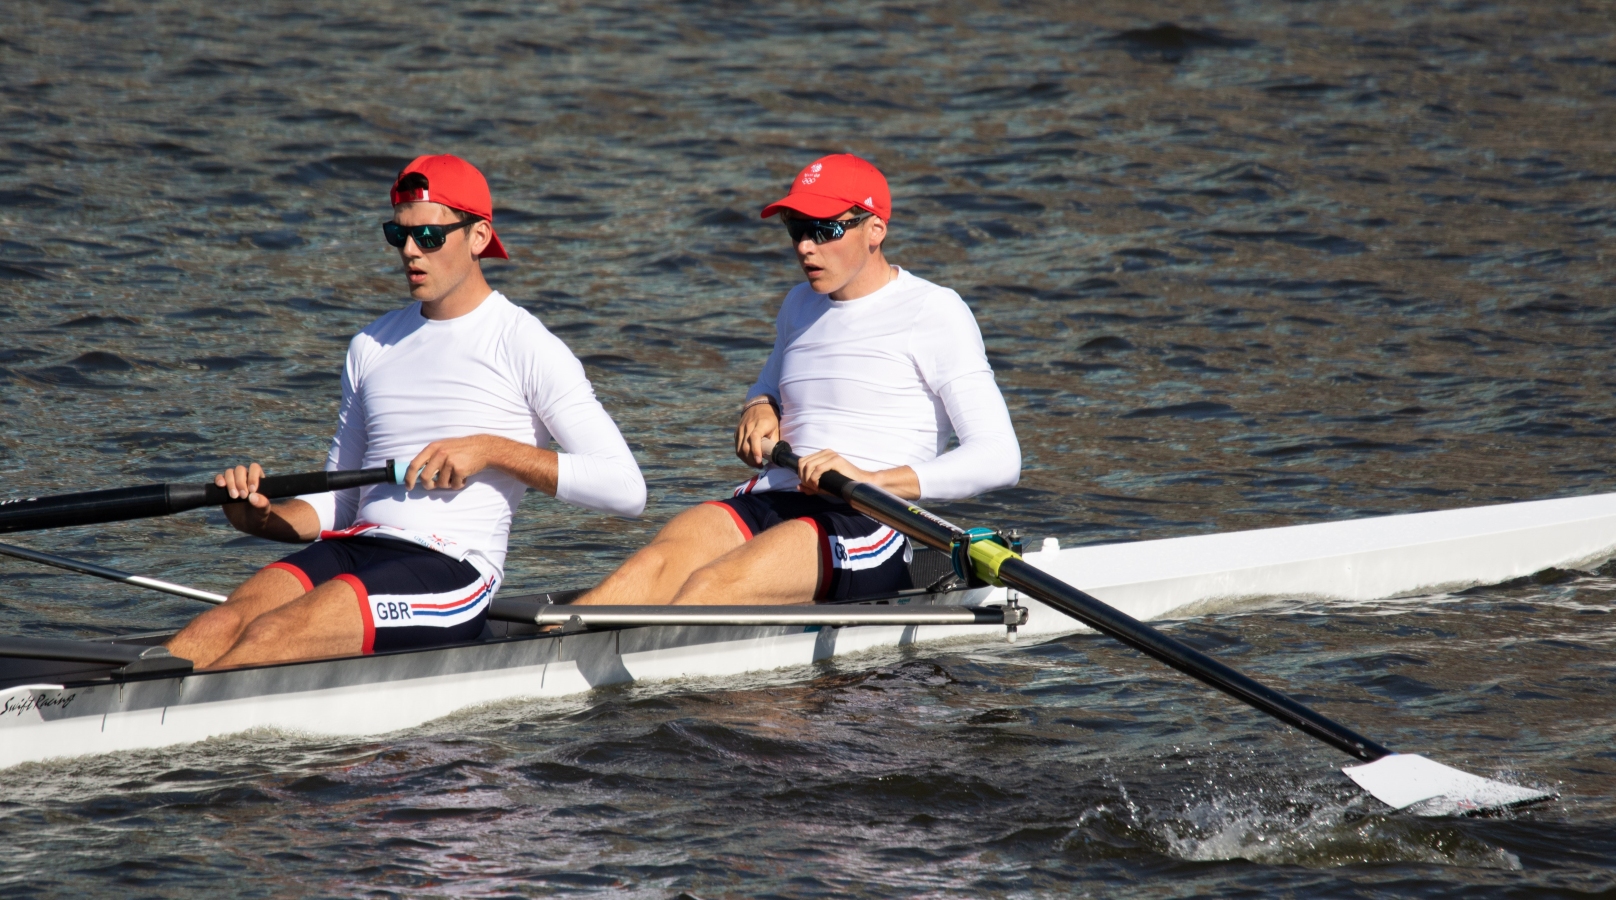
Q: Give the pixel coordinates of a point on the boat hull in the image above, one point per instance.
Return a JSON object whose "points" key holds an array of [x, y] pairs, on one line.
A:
{"points": [[360, 696], [392, 691]]}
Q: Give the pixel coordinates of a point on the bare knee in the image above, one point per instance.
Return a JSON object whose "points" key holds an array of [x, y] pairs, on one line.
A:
{"points": [[265, 631], [209, 635], [701, 584], [219, 620], [654, 559]]}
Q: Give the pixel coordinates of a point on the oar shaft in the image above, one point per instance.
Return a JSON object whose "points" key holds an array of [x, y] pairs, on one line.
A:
{"points": [[84, 568], [939, 534], [120, 504], [1110, 621]]}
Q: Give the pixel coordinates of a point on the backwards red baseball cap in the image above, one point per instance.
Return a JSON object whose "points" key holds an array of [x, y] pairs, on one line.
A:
{"points": [[456, 184], [831, 185]]}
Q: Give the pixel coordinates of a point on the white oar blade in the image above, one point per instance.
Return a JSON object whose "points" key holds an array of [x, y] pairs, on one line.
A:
{"points": [[1402, 780]]}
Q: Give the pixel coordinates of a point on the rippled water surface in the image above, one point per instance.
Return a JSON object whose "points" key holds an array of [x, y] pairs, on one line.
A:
{"points": [[1268, 263]]}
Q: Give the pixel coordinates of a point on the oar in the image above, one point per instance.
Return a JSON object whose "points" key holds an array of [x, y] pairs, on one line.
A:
{"points": [[119, 504], [1399, 779], [84, 568]]}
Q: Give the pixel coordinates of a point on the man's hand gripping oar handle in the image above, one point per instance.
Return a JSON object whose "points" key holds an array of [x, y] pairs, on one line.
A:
{"points": [[119, 504], [997, 564]]}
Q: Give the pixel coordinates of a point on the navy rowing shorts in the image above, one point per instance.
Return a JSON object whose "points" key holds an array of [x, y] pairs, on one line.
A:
{"points": [[409, 596], [858, 556]]}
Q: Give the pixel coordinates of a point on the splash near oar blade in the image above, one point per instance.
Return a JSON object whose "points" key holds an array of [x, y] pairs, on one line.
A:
{"points": [[1401, 781], [120, 504], [1426, 787]]}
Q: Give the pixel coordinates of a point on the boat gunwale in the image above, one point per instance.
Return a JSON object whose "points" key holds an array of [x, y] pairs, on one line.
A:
{"points": [[493, 640]]}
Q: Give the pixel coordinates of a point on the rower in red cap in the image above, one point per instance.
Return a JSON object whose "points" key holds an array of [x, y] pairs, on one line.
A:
{"points": [[873, 371], [471, 389]]}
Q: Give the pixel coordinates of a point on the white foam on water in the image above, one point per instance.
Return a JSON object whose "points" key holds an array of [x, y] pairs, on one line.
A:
{"points": [[1322, 833], [1242, 813]]}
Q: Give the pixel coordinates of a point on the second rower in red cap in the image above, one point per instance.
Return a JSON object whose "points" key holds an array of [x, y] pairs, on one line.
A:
{"points": [[471, 389], [873, 370]]}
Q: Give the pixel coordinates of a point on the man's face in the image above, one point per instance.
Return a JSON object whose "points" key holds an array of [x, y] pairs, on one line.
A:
{"points": [[434, 274], [832, 265]]}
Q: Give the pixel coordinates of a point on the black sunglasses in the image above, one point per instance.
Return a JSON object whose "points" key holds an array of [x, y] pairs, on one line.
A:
{"points": [[427, 237], [822, 230]]}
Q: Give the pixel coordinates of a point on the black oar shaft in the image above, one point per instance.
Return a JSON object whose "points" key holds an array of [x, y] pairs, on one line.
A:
{"points": [[87, 508], [119, 504], [1110, 621], [939, 534]]}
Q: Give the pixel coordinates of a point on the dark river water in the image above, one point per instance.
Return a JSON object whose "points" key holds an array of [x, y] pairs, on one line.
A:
{"points": [[1237, 264]]}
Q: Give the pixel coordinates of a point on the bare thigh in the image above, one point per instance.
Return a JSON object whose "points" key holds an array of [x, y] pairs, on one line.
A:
{"points": [[212, 633], [656, 572], [779, 566], [323, 622]]}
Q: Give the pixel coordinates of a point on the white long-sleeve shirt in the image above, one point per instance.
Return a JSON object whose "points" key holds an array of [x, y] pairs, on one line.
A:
{"points": [[497, 370], [885, 380]]}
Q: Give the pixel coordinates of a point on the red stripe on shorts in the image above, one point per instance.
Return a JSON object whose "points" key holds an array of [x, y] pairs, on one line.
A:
{"points": [[478, 589], [364, 611], [746, 533], [824, 557], [302, 577]]}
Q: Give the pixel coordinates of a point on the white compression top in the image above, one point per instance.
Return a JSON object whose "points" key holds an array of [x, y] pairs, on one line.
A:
{"points": [[497, 370], [884, 380]]}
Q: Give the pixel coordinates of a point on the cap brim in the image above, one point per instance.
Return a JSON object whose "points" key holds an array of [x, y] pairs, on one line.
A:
{"points": [[815, 206], [494, 249]]}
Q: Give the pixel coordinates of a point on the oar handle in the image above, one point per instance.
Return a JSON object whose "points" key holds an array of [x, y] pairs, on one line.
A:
{"points": [[1005, 566], [182, 497], [120, 504], [933, 531]]}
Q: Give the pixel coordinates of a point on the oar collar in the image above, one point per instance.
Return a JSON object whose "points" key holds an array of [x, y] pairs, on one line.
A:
{"points": [[979, 552]]}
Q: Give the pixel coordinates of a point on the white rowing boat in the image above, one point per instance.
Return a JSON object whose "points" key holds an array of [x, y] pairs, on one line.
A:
{"points": [[110, 697]]}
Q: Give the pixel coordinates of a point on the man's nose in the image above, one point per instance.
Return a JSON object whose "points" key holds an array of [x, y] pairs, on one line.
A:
{"points": [[410, 250]]}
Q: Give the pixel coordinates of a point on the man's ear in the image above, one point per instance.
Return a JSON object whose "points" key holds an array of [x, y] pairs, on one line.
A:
{"points": [[878, 232], [480, 234]]}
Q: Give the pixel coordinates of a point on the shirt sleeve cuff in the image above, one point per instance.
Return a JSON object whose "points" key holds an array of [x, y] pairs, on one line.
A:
{"points": [[325, 506]]}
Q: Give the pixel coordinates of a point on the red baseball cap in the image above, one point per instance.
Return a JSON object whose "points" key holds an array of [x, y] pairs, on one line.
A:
{"points": [[456, 184], [831, 185]]}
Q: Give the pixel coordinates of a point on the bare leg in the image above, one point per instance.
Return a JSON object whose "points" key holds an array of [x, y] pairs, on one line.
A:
{"points": [[777, 567], [209, 635], [324, 622], [655, 573]]}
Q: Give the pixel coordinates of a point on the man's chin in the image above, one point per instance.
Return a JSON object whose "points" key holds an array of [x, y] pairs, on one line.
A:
{"points": [[822, 283]]}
